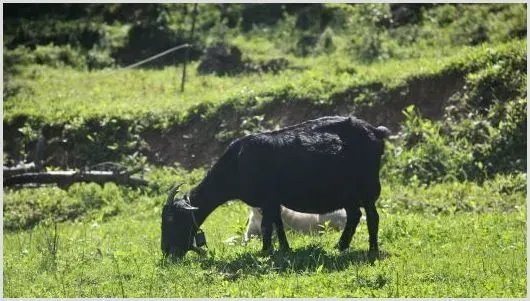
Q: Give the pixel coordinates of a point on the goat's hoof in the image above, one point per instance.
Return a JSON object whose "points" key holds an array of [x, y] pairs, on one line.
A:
{"points": [[373, 255], [266, 251], [286, 249], [341, 248]]}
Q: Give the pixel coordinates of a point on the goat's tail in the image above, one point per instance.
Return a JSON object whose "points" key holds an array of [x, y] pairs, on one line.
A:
{"points": [[382, 132]]}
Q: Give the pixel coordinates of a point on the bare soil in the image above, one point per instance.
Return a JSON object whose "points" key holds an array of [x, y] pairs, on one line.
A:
{"points": [[194, 144]]}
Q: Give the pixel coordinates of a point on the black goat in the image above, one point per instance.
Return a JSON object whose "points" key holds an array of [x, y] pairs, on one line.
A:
{"points": [[317, 166]]}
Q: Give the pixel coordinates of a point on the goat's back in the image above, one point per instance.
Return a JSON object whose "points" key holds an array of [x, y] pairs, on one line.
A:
{"points": [[316, 166]]}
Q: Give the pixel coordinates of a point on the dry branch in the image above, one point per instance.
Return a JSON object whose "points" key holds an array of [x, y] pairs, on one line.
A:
{"points": [[67, 178], [19, 169]]}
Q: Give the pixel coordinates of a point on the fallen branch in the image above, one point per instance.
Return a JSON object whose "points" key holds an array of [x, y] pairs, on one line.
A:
{"points": [[19, 169], [66, 178]]}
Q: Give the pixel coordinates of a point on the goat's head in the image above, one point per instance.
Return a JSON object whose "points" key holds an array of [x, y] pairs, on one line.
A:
{"points": [[178, 225]]}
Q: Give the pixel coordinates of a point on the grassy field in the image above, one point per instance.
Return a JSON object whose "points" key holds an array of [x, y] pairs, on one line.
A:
{"points": [[449, 80], [65, 95], [446, 240]]}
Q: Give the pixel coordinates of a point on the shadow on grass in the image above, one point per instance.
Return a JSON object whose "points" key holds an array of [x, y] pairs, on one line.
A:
{"points": [[308, 259]]}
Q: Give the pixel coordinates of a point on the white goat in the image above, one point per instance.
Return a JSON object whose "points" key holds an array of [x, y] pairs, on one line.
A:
{"points": [[298, 221]]}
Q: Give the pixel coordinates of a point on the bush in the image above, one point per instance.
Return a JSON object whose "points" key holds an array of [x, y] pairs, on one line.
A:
{"points": [[508, 150], [24, 210], [465, 24], [99, 59], [50, 55], [373, 45], [427, 155], [15, 58], [261, 14], [371, 40], [80, 33], [325, 43], [471, 149], [500, 82], [56, 56], [482, 131]]}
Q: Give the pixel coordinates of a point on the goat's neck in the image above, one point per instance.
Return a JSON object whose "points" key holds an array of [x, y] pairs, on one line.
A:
{"points": [[215, 189], [206, 201]]}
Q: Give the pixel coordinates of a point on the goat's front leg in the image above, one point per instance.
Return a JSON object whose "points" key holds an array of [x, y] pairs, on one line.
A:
{"points": [[353, 216]]}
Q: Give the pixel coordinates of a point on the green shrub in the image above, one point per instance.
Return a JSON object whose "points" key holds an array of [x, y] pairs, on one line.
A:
{"points": [[25, 208], [482, 131], [472, 24], [325, 44], [370, 39], [496, 83], [508, 148], [471, 149], [56, 56], [426, 154], [98, 59], [50, 55], [15, 58], [79, 33], [469, 27]]}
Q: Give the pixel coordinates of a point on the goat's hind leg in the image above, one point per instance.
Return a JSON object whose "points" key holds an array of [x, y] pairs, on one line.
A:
{"points": [[353, 216], [266, 229], [372, 219], [272, 215], [282, 238]]}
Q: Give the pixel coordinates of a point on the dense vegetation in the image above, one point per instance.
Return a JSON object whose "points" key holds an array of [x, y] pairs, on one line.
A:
{"points": [[448, 79]]}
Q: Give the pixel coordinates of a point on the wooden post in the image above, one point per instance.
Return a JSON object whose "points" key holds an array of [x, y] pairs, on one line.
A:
{"points": [[39, 153], [194, 16]]}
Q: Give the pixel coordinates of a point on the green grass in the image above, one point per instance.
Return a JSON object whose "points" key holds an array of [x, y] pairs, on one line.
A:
{"points": [[451, 238], [62, 95], [445, 240], [85, 110]]}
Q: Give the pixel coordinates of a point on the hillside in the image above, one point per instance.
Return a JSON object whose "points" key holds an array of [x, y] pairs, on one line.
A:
{"points": [[449, 80]]}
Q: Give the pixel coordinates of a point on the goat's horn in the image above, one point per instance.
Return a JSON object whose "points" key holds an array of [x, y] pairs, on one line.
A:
{"points": [[172, 192]]}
